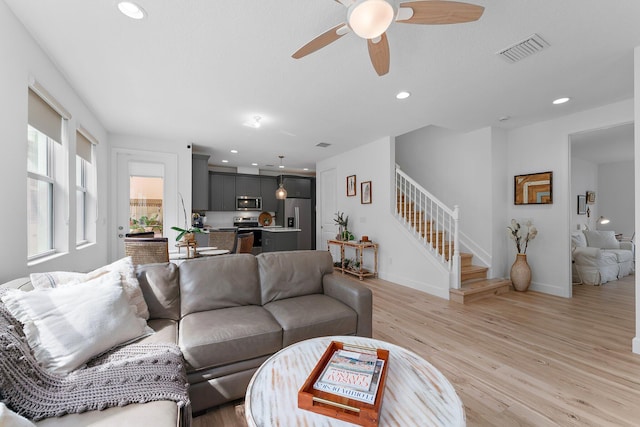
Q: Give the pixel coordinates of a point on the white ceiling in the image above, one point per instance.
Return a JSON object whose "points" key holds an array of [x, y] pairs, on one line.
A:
{"points": [[196, 70], [608, 145]]}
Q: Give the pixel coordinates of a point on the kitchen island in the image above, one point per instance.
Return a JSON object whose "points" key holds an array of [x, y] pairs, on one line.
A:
{"points": [[275, 239]]}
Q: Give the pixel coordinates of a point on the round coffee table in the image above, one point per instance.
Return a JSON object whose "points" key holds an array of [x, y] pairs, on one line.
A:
{"points": [[416, 393]]}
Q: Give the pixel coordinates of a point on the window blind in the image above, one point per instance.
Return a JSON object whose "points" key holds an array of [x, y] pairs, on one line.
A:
{"points": [[44, 118], [83, 147]]}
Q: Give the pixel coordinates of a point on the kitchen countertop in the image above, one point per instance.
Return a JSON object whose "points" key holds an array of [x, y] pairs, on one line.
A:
{"points": [[271, 229], [279, 229]]}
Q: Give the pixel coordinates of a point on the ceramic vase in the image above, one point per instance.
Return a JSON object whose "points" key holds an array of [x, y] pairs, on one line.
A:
{"points": [[521, 273], [188, 237]]}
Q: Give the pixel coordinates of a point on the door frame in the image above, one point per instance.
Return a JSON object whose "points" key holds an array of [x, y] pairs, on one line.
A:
{"points": [[170, 192]]}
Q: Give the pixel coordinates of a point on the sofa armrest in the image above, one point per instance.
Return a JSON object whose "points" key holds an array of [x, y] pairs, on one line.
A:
{"points": [[629, 246], [356, 296], [586, 255]]}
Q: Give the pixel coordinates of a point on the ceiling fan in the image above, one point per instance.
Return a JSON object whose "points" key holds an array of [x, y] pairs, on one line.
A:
{"points": [[370, 20]]}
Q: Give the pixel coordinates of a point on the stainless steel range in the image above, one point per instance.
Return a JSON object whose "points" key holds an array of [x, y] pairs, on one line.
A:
{"points": [[250, 224]]}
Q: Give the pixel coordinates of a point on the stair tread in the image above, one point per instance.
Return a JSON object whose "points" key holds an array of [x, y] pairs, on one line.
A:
{"points": [[473, 268], [476, 286]]}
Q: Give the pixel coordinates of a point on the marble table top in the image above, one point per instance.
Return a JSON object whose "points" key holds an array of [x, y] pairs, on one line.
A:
{"points": [[416, 393]]}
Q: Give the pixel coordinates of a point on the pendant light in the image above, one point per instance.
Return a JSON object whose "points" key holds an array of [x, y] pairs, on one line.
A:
{"points": [[281, 193]]}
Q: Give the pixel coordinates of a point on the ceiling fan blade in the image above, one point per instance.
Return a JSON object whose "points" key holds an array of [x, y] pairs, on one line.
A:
{"points": [[322, 40], [379, 54], [436, 12]]}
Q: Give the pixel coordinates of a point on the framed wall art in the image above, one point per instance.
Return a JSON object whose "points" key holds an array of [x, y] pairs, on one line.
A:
{"points": [[351, 185], [591, 197], [582, 204], [365, 192], [533, 189]]}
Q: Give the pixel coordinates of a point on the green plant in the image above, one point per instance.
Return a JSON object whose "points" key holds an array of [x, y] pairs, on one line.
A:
{"points": [[187, 228]]}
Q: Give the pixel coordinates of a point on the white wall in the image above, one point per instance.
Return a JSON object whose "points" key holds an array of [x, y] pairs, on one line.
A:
{"points": [[584, 177], [400, 259], [23, 59], [543, 147], [636, 131], [468, 170], [615, 198]]}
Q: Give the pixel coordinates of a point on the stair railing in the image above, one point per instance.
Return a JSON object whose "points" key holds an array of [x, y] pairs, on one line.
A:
{"points": [[432, 222]]}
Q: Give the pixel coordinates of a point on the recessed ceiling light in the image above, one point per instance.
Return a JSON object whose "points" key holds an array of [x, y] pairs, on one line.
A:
{"points": [[131, 10], [560, 101], [403, 95], [305, 169], [225, 161], [281, 166], [254, 164], [255, 123], [234, 151]]}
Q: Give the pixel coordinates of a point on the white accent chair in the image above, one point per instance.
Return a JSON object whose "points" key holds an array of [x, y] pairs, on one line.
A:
{"points": [[598, 257]]}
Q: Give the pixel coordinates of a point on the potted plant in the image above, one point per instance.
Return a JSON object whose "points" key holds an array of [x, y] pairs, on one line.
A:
{"points": [[187, 233], [343, 233], [520, 270]]}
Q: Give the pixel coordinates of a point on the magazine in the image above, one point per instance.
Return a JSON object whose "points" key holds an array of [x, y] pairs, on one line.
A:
{"points": [[351, 369], [366, 396]]}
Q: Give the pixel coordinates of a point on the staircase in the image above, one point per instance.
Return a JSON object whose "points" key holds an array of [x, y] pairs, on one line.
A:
{"points": [[436, 226]]}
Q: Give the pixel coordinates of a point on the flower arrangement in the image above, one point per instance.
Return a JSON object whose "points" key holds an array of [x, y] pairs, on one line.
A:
{"points": [[515, 232]]}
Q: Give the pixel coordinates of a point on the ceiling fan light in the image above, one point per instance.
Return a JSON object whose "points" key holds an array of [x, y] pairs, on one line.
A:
{"points": [[370, 18]]}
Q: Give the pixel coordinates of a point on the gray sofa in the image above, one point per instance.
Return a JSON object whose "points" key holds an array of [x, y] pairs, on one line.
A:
{"points": [[230, 313]]}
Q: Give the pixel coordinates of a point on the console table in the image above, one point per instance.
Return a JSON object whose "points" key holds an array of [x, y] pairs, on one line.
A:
{"points": [[359, 247]]}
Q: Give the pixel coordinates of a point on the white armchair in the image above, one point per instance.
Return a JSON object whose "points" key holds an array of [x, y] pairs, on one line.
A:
{"points": [[598, 257]]}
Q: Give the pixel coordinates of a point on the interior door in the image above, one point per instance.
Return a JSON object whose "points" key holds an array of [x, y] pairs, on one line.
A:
{"points": [[146, 195], [328, 208]]}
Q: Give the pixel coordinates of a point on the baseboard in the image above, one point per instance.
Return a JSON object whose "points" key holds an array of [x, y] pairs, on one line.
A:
{"points": [[635, 345], [550, 289]]}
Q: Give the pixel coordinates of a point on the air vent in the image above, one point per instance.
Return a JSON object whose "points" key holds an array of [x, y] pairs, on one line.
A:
{"points": [[323, 144], [527, 47]]}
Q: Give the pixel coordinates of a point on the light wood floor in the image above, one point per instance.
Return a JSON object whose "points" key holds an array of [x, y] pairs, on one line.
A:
{"points": [[518, 359]]}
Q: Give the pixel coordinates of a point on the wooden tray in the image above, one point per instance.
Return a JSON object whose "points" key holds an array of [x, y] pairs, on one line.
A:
{"points": [[340, 407]]}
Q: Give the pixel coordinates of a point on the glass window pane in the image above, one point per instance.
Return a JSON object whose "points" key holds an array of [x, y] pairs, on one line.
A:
{"points": [[39, 216], [37, 152], [80, 216]]}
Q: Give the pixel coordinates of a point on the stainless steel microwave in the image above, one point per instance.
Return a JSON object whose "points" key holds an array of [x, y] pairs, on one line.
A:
{"points": [[248, 203]]}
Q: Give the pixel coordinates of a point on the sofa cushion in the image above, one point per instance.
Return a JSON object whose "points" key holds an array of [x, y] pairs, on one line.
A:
{"points": [[162, 413], [160, 286], [227, 335], [602, 239], [216, 282], [8, 418], [123, 266], [291, 274], [312, 316], [67, 326], [165, 331], [621, 254]]}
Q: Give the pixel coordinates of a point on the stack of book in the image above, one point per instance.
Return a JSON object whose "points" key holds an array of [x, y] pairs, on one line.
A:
{"points": [[351, 374]]}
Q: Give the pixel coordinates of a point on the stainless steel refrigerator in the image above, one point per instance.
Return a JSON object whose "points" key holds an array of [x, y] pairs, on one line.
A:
{"points": [[298, 214]]}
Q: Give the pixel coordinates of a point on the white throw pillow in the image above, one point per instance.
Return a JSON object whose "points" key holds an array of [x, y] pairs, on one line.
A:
{"points": [[67, 326], [8, 418], [124, 266], [578, 240], [602, 239]]}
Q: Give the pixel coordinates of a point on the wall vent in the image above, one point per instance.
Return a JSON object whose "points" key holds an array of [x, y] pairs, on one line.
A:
{"points": [[323, 144], [522, 49]]}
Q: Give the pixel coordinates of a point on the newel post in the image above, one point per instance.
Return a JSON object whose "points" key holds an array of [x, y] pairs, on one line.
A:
{"points": [[455, 267]]}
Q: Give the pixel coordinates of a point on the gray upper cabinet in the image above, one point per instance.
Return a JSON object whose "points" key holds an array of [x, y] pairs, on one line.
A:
{"points": [[222, 192], [199, 182], [268, 187], [297, 187], [248, 186]]}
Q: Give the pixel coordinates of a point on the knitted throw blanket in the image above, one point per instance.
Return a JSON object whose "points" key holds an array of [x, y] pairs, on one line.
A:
{"points": [[136, 373]]}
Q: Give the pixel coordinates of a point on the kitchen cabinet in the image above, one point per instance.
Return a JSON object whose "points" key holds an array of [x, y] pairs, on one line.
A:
{"points": [[280, 240], [297, 187], [268, 187], [222, 192], [248, 186], [199, 182]]}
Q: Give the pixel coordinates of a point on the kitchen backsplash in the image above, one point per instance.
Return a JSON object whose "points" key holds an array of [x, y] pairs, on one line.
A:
{"points": [[225, 219]]}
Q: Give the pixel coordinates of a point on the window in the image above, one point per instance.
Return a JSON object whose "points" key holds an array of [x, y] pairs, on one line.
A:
{"points": [[45, 177], [39, 192], [84, 189]]}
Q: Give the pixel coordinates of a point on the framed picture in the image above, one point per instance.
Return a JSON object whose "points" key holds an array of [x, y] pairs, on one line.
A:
{"points": [[365, 192], [533, 189], [351, 185], [591, 197], [582, 204]]}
